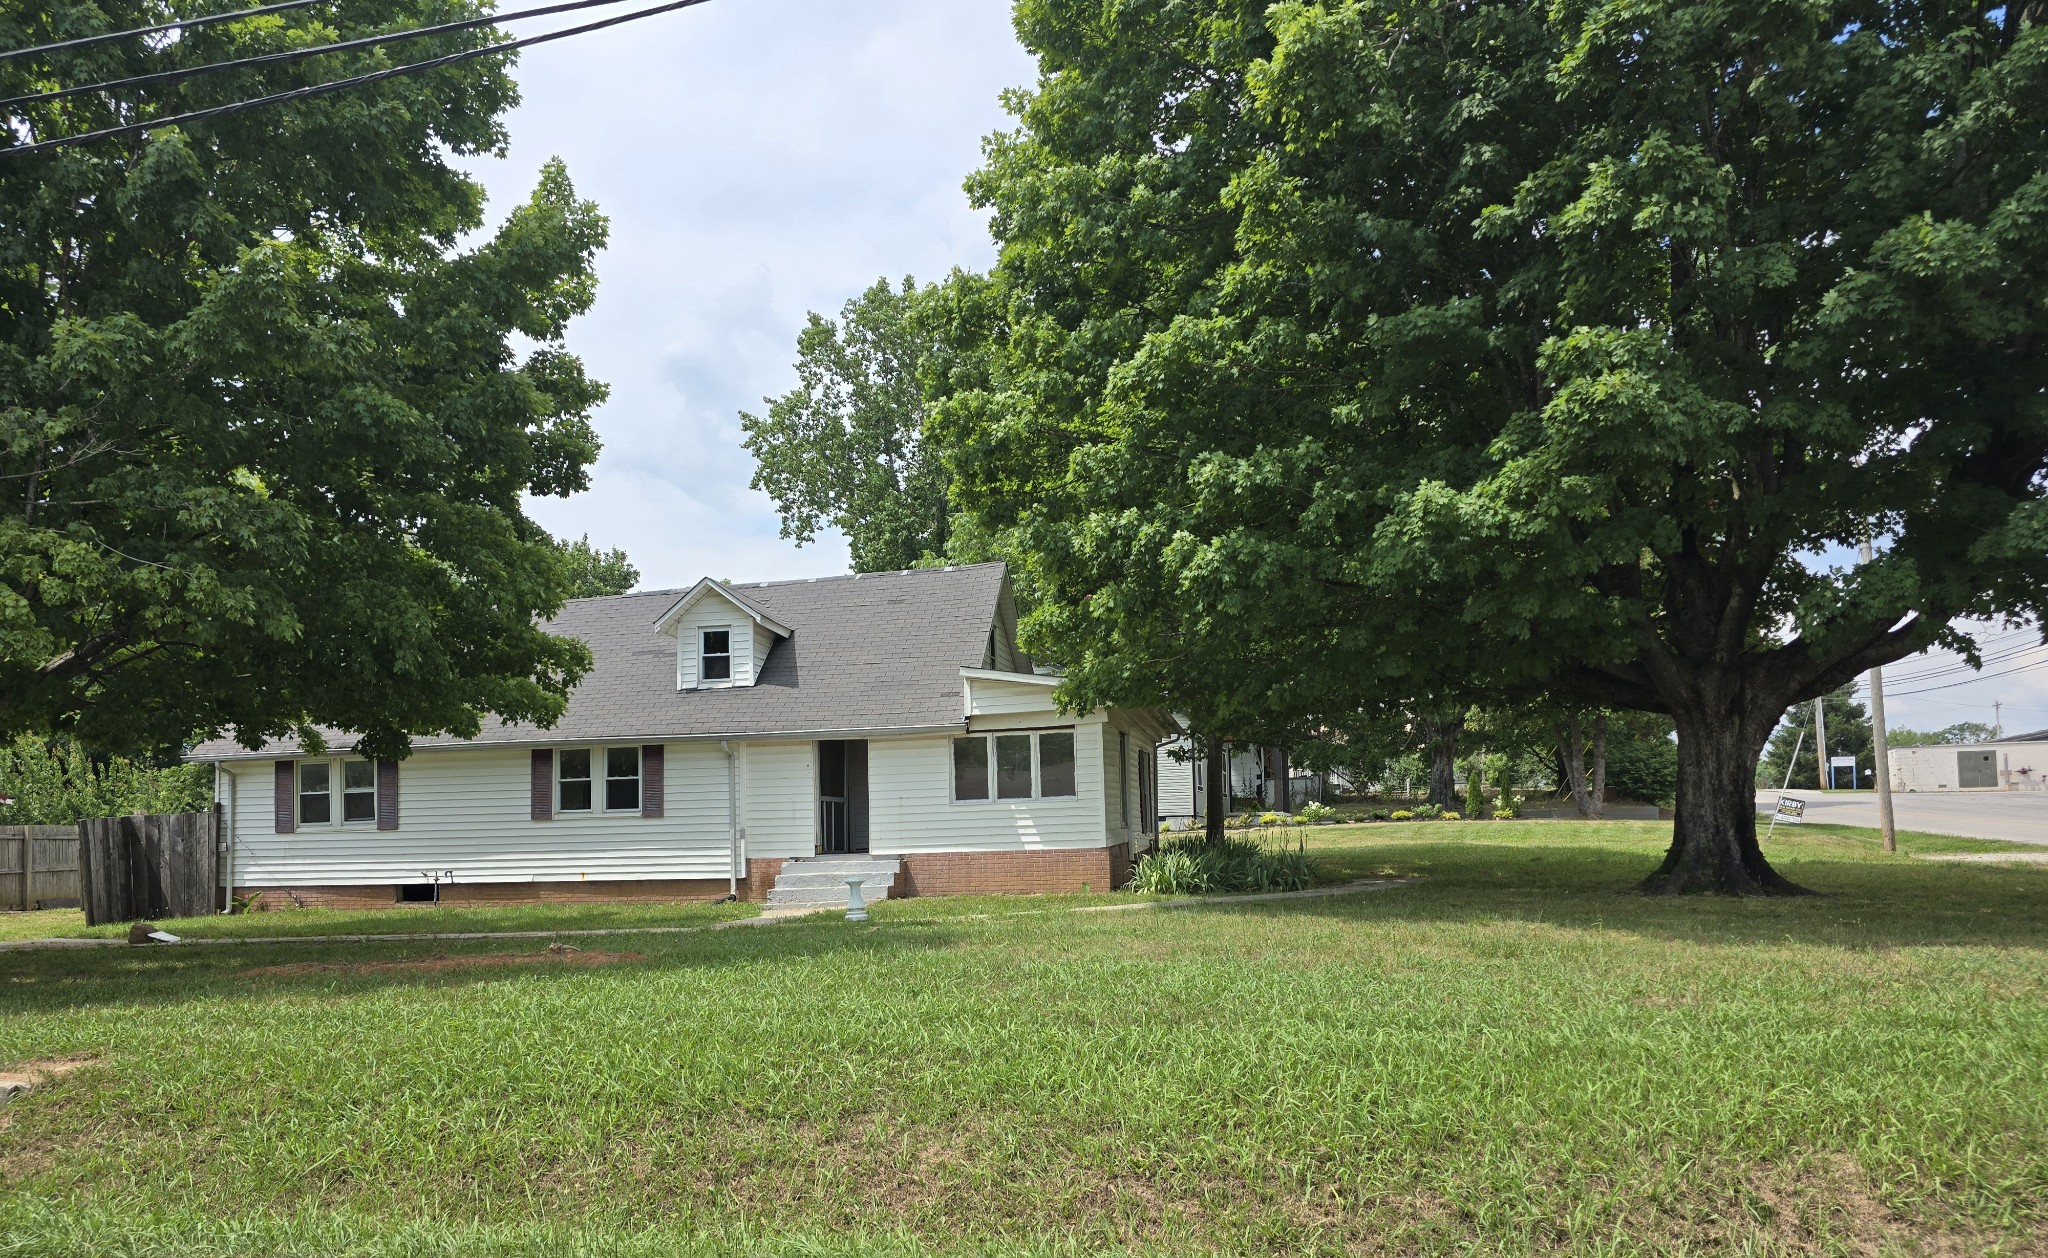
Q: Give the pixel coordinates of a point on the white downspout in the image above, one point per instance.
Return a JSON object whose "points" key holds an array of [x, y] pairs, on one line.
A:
{"points": [[224, 794], [732, 810]]}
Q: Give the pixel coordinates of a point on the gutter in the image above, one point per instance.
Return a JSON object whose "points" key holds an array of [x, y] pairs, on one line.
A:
{"points": [[224, 798], [336, 749]]}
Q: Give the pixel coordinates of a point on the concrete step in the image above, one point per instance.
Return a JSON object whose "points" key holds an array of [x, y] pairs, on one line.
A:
{"points": [[835, 878], [820, 881], [832, 864]]}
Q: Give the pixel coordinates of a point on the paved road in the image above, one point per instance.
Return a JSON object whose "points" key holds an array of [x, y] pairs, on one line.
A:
{"points": [[2018, 816]]}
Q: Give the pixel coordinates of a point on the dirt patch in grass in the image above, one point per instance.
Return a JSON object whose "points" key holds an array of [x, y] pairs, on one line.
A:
{"points": [[32, 1074], [553, 954]]}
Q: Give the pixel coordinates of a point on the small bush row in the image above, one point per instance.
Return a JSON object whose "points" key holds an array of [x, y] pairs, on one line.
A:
{"points": [[1194, 866]]}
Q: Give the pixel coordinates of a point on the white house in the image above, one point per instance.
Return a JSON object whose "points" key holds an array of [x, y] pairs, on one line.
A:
{"points": [[762, 740], [2017, 763]]}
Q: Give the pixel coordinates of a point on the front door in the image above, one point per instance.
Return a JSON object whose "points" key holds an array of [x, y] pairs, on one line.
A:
{"points": [[842, 796]]}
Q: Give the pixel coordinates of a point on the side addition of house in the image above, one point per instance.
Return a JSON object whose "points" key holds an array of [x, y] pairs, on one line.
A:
{"points": [[729, 738]]}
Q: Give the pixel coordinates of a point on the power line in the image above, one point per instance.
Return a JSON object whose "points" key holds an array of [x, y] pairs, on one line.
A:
{"points": [[1959, 665], [88, 41], [361, 80], [300, 54], [2024, 668]]}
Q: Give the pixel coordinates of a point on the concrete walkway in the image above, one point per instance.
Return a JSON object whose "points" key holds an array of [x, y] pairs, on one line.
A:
{"points": [[769, 918], [2011, 816]]}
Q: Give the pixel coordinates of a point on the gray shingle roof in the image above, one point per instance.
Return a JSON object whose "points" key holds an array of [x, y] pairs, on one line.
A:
{"points": [[881, 651]]}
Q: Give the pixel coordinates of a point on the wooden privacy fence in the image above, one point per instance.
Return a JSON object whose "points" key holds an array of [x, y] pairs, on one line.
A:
{"points": [[38, 866], [149, 866]]}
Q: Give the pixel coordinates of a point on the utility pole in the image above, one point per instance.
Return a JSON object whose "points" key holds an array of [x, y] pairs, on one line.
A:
{"points": [[1883, 768], [1820, 738], [1998, 718]]}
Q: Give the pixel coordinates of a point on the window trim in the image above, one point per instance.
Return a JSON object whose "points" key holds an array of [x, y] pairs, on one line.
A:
{"points": [[600, 776], [704, 631], [337, 794], [993, 780]]}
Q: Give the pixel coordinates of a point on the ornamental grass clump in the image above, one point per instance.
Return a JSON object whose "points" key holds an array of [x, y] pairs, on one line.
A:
{"points": [[1194, 866]]}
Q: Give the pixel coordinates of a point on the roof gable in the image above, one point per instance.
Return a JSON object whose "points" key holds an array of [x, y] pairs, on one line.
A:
{"points": [[707, 588]]}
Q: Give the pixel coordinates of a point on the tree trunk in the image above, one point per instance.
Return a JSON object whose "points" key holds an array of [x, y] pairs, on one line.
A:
{"points": [[1713, 841], [1598, 789], [1443, 764], [1216, 786], [1571, 752], [1283, 781]]}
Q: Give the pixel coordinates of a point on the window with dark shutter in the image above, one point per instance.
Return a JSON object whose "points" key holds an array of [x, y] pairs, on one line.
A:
{"points": [[387, 794], [541, 786], [284, 803], [653, 780]]}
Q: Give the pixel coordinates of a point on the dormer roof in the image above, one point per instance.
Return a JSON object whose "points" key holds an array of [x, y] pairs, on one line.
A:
{"points": [[666, 623]]}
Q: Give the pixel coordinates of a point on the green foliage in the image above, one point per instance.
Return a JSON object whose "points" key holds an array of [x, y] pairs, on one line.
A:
{"points": [[1315, 813], [53, 782], [1960, 733], [594, 573], [1849, 734], [1424, 812], [1399, 814], [846, 448], [1195, 866], [271, 397], [1361, 352], [1642, 759]]}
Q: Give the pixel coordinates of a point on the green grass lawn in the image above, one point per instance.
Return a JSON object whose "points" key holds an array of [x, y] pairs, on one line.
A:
{"points": [[1510, 1055], [411, 920]]}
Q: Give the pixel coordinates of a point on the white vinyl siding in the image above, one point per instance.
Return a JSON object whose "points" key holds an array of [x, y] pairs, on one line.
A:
{"points": [[911, 805], [781, 796], [989, 697], [468, 811], [1176, 781]]}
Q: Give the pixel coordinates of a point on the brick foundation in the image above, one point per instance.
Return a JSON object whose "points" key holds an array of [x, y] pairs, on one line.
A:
{"points": [[643, 891], [1016, 873], [761, 873]]}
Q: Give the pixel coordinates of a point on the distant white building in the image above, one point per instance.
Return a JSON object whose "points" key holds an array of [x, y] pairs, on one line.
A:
{"points": [[2017, 763]]}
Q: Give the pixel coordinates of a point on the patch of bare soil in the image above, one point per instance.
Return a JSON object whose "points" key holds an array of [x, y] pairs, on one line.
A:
{"points": [[34, 1074], [553, 954]]}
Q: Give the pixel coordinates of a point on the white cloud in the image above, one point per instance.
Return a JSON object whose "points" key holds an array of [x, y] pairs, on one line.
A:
{"points": [[758, 159]]}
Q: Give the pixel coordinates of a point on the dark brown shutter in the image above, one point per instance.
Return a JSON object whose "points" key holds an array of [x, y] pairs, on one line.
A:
{"points": [[387, 794], [543, 785], [285, 797], [653, 780]]}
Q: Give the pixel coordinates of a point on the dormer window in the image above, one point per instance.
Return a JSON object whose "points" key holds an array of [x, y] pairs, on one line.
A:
{"points": [[714, 662]]}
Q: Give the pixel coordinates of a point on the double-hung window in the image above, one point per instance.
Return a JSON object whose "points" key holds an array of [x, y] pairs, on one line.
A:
{"points": [[318, 786], [358, 790], [1022, 765], [316, 793], [600, 779], [572, 781], [622, 779], [714, 661]]}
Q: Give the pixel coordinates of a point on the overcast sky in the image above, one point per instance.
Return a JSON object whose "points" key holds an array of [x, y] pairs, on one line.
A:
{"points": [[764, 158]]}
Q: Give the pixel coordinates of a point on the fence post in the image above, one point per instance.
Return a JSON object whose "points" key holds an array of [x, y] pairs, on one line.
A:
{"points": [[28, 869]]}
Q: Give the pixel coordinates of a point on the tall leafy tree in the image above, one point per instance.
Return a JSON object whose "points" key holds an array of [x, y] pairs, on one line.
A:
{"points": [[1535, 348], [264, 432], [847, 447], [594, 573], [1791, 746]]}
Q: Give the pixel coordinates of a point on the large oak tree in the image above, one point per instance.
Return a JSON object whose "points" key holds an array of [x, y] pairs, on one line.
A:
{"points": [[1516, 348], [269, 408]]}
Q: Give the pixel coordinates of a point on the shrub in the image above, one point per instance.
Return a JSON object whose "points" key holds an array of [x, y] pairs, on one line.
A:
{"points": [[1506, 813], [1450, 814], [1316, 813], [1402, 814], [1428, 812], [1191, 866], [1271, 818], [1377, 814]]}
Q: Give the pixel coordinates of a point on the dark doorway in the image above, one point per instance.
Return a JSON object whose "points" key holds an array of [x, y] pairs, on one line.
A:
{"points": [[842, 796]]}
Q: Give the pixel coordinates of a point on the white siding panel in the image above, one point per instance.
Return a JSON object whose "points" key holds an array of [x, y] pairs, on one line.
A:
{"points": [[996, 698], [910, 789], [781, 796], [749, 641], [468, 811], [1176, 781]]}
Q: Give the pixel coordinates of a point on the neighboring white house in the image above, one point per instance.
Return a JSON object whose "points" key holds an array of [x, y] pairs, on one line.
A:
{"points": [[723, 731], [1253, 773], [2018, 763]]}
